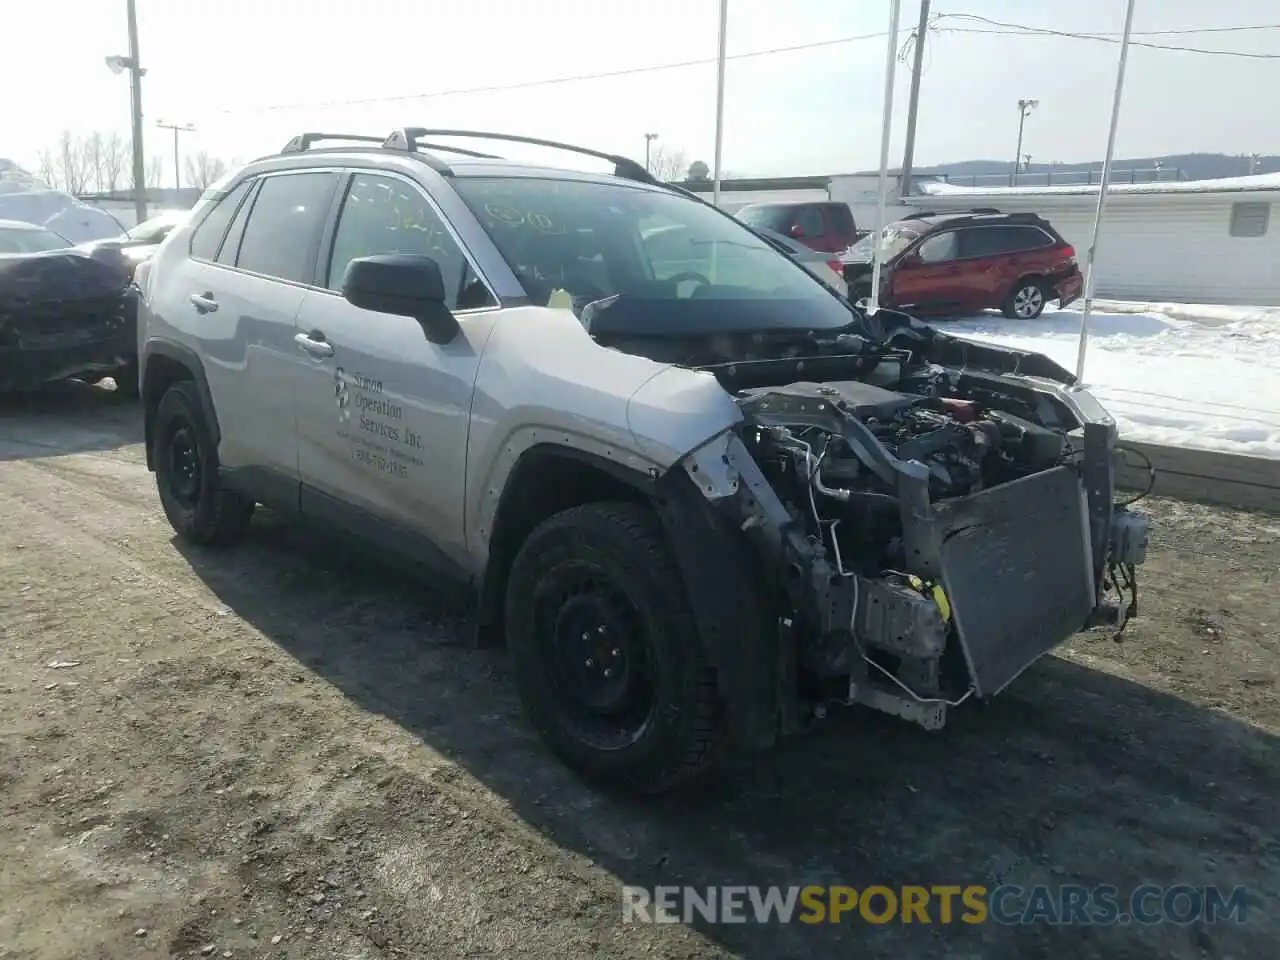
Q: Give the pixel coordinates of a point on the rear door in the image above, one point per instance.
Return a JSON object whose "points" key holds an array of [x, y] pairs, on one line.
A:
{"points": [[383, 413], [996, 257], [240, 289]]}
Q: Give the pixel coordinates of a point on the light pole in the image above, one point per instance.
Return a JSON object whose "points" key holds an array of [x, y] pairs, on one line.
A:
{"points": [[648, 139], [1024, 108], [177, 128], [721, 57], [1089, 273], [133, 64], [913, 101]]}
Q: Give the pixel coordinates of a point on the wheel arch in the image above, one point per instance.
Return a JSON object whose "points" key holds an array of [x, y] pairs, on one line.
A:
{"points": [[545, 479], [726, 586], [162, 364]]}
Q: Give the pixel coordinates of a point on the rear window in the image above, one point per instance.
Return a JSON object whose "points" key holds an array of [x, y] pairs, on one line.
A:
{"points": [[995, 240], [841, 218], [30, 240], [771, 218]]}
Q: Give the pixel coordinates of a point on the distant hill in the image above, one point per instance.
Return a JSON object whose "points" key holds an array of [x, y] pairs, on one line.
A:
{"points": [[1184, 166]]}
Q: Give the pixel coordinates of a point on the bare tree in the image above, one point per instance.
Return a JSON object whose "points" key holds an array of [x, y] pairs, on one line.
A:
{"points": [[49, 170], [71, 164], [113, 157], [203, 169], [92, 151], [668, 165], [155, 171]]}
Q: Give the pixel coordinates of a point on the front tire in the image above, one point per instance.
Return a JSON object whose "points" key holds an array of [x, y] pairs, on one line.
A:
{"points": [[199, 509], [1027, 299], [606, 651]]}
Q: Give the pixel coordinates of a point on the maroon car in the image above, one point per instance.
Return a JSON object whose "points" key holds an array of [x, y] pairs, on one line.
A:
{"points": [[949, 263], [825, 225]]}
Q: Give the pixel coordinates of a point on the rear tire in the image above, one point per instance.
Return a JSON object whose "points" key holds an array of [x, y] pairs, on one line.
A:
{"points": [[199, 509], [606, 652], [1027, 299]]}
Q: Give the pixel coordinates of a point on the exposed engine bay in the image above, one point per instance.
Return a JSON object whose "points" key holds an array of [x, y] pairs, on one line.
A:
{"points": [[936, 526]]}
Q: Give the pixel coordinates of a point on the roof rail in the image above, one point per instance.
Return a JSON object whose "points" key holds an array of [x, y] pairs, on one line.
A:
{"points": [[406, 138], [303, 141]]}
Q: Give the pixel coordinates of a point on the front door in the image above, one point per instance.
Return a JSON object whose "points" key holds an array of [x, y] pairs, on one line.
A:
{"points": [[933, 279], [382, 412]]}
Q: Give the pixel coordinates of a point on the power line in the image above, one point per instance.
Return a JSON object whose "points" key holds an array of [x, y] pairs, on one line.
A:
{"points": [[553, 81], [1020, 29]]}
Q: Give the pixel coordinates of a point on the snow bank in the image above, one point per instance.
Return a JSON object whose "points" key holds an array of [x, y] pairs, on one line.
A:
{"points": [[27, 198], [1256, 182], [1200, 376]]}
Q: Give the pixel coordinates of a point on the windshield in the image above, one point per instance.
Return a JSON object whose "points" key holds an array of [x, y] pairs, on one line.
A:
{"points": [[30, 240], [155, 229], [896, 238], [595, 240]]}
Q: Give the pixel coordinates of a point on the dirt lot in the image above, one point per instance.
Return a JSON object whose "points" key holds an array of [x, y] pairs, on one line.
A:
{"points": [[288, 751]]}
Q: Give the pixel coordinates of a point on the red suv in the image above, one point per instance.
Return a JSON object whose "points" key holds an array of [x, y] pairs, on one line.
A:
{"points": [[820, 225], [947, 263]]}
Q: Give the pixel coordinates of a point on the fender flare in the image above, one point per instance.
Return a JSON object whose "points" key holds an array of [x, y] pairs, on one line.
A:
{"points": [[727, 587], [190, 360]]}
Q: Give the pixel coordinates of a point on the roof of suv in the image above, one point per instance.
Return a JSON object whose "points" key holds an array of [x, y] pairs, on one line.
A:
{"points": [[409, 142], [983, 215]]}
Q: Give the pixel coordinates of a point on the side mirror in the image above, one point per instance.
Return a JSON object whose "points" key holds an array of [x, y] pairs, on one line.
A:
{"points": [[403, 285], [795, 231]]}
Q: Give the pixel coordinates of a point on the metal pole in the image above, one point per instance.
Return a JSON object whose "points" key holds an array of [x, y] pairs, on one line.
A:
{"points": [[895, 8], [1022, 119], [1089, 276], [135, 89], [177, 171], [913, 101], [720, 61]]}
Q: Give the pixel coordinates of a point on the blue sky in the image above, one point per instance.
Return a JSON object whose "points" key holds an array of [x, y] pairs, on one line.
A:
{"points": [[231, 66]]}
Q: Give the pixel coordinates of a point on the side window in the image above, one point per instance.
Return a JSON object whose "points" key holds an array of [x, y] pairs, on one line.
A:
{"points": [[985, 241], [841, 218], [284, 225], [231, 245], [810, 221], [207, 237], [1027, 238], [938, 249], [386, 215]]}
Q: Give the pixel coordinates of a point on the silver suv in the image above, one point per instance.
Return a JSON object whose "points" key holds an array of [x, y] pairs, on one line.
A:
{"points": [[699, 495]]}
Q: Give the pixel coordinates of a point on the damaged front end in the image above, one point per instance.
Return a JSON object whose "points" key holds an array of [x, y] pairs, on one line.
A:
{"points": [[931, 517], [64, 314]]}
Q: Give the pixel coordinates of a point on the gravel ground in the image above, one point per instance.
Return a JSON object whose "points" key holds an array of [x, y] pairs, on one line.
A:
{"points": [[286, 750]]}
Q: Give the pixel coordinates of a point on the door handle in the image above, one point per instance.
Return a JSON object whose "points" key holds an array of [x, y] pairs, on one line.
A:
{"points": [[314, 343], [204, 302]]}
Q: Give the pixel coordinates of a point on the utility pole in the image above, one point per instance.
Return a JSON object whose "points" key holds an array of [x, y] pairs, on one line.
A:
{"points": [[178, 128], [133, 64], [913, 100], [648, 139], [1254, 160], [1024, 108]]}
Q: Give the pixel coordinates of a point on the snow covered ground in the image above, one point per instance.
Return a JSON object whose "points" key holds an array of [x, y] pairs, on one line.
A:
{"points": [[1187, 375]]}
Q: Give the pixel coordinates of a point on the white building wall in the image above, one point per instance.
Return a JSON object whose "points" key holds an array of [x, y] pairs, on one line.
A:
{"points": [[1160, 247]]}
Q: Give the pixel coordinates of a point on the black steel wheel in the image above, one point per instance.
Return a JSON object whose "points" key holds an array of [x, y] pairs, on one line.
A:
{"points": [[186, 464], [606, 652]]}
